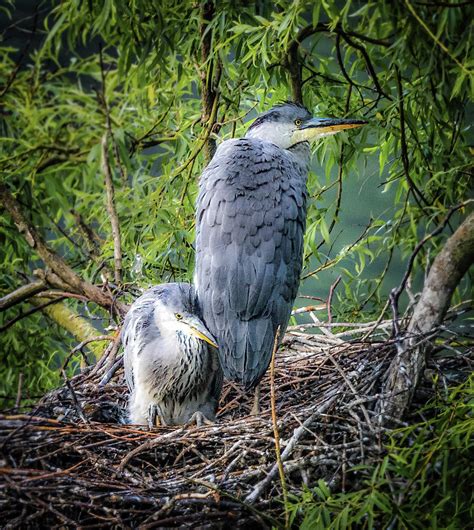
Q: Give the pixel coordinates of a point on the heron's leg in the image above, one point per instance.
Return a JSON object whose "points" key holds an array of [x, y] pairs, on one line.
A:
{"points": [[155, 416], [199, 420], [256, 402]]}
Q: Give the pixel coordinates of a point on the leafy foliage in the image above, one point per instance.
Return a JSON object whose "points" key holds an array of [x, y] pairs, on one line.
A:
{"points": [[137, 68], [424, 481]]}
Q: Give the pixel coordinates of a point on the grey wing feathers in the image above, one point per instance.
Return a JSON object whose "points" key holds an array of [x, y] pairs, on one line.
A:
{"points": [[250, 225], [138, 330]]}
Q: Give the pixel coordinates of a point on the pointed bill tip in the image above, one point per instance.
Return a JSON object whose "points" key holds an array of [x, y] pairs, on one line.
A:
{"points": [[203, 337]]}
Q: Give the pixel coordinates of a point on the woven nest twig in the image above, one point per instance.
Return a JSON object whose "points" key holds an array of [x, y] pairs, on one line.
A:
{"points": [[70, 461]]}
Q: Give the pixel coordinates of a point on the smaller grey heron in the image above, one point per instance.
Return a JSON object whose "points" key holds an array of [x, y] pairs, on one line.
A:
{"points": [[170, 359]]}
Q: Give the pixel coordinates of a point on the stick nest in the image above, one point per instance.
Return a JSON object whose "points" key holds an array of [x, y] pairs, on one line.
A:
{"points": [[71, 462]]}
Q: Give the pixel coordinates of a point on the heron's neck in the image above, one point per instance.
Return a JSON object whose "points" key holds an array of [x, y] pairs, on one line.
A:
{"points": [[302, 153]]}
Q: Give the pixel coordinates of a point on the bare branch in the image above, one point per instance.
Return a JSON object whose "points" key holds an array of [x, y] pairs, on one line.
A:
{"points": [[403, 143], [22, 293], [368, 62], [56, 263], [28, 313]]}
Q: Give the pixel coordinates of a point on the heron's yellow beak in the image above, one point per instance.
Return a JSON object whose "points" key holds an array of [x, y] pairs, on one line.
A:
{"points": [[319, 127], [202, 336]]}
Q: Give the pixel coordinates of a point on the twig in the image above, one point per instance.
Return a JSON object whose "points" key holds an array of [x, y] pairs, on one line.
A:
{"points": [[276, 434], [55, 262], [81, 345], [368, 62], [297, 434], [435, 38], [210, 76], [331, 293], [403, 144], [18, 392], [396, 292], [77, 405]]}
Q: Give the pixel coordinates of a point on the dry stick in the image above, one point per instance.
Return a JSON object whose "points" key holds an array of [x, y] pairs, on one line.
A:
{"points": [[297, 434], [276, 434], [352, 388], [149, 444], [81, 345], [18, 392], [331, 292], [77, 405]]}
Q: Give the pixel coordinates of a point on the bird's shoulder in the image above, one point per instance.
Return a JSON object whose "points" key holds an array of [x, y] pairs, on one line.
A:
{"points": [[250, 150]]}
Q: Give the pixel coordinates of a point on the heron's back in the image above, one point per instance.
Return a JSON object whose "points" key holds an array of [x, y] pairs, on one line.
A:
{"points": [[250, 223]]}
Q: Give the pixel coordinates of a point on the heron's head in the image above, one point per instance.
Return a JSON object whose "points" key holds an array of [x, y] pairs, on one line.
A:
{"points": [[190, 324], [290, 124], [173, 312]]}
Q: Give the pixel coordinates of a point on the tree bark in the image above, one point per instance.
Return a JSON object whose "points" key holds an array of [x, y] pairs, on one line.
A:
{"points": [[448, 268], [210, 76]]}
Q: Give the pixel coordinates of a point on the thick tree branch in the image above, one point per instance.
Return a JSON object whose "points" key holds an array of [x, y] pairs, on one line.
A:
{"points": [[54, 262], [70, 321], [445, 274], [210, 76], [294, 68]]}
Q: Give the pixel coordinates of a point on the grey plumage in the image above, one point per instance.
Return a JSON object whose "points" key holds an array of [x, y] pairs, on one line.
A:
{"points": [[250, 222], [251, 214], [167, 363]]}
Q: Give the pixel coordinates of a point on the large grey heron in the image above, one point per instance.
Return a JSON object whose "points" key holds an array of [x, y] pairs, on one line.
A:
{"points": [[170, 359], [250, 222]]}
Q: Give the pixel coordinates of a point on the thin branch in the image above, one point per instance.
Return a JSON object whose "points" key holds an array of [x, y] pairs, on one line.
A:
{"points": [[339, 174], [77, 405], [344, 71], [19, 389], [23, 54], [22, 293], [368, 62], [435, 38], [330, 263], [331, 293], [114, 220], [292, 442], [28, 313], [403, 143]]}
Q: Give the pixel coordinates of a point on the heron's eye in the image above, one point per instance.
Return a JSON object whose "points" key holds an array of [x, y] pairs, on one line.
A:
{"points": [[178, 316], [298, 122]]}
